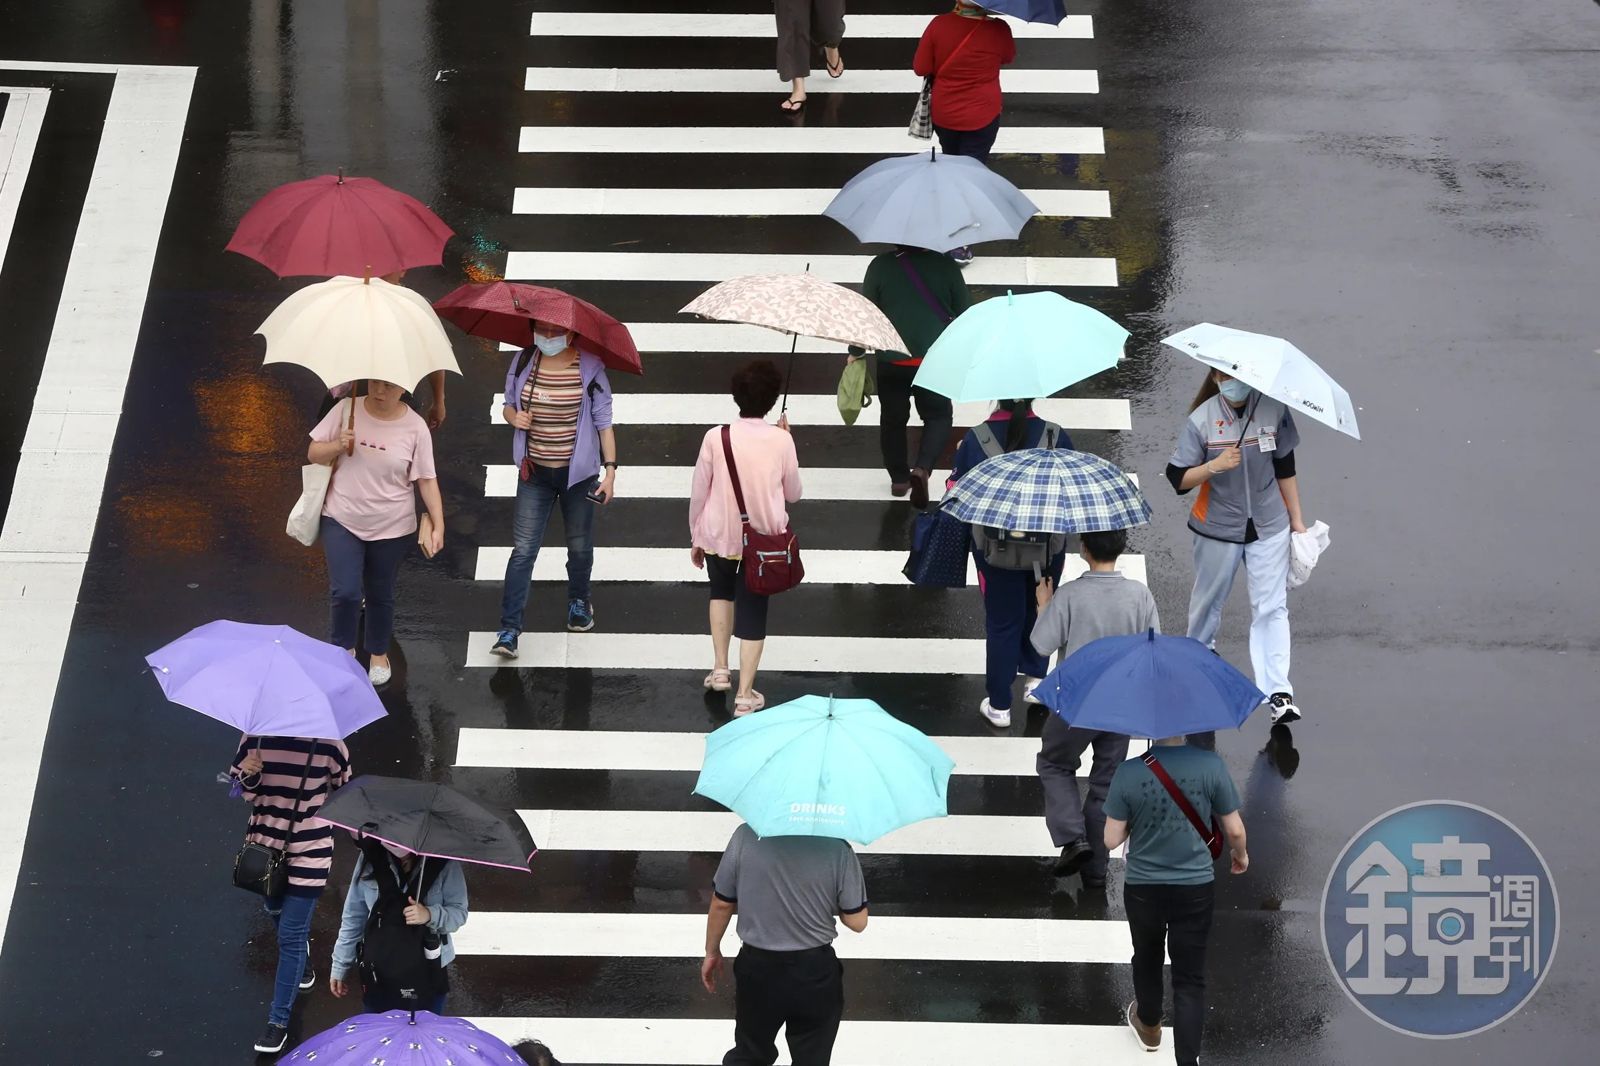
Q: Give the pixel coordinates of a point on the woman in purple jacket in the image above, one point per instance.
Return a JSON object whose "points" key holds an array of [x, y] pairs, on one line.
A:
{"points": [[558, 400]]}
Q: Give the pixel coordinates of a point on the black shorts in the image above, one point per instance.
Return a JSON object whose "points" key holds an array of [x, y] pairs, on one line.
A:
{"points": [[749, 610]]}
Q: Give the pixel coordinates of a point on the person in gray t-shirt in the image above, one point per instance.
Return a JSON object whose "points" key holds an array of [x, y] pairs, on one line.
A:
{"points": [[787, 891], [1101, 603]]}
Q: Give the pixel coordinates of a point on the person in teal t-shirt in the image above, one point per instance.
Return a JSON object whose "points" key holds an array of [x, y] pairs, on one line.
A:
{"points": [[1167, 889]]}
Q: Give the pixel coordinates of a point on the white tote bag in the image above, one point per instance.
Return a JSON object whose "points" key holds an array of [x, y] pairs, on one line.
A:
{"points": [[305, 519]]}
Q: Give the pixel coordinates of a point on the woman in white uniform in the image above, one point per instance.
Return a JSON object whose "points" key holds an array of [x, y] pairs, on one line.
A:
{"points": [[1237, 448]]}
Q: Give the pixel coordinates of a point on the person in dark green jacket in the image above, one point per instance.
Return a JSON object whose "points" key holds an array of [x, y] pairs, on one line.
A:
{"points": [[920, 292]]}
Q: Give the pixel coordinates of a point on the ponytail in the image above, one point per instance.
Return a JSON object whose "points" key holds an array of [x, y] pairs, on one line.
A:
{"points": [[1017, 429]]}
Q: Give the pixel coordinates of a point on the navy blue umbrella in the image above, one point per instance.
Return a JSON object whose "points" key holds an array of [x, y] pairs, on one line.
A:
{"points": [[1148, 685], [1047, 11]]}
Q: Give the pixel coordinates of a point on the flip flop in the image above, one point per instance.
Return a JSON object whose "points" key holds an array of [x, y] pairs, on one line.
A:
{"points": [[792, 106], [832, 73]]}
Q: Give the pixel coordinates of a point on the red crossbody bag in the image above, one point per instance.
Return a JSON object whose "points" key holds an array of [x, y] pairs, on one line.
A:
{"points": [[1212, 836], [771, 561]]}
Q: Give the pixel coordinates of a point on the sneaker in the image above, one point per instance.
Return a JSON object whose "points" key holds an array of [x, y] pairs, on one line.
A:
{"points": [[505, 644], [998, 719], [580, 616], [1074, 857], [962, 256], [1149, 1036], [1028, 685], [273, 1039], [1283, 709], [919, 489], [308, 980]]}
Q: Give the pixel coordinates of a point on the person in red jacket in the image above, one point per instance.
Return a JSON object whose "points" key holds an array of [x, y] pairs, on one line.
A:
{"points": [[964, 50]]}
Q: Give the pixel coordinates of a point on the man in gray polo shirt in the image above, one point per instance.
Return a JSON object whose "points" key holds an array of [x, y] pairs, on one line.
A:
{"points": [[787, 892]]}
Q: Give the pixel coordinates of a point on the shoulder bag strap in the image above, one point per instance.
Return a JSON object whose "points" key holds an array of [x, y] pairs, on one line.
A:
{"points": [[733, 472], [934, 303], [1178, 797], [956, 50], [1052, 433]]}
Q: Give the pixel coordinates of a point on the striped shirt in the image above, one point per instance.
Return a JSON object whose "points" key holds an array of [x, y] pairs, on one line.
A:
{"points": [[273, 793], [554, 397]]}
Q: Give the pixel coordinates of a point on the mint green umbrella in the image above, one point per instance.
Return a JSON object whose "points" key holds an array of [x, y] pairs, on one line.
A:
{"points": [[818, 766], [1020, 348]]}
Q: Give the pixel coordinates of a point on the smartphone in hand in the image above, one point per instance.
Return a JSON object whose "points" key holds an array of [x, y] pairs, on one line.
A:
{"points": [[596, 495]]}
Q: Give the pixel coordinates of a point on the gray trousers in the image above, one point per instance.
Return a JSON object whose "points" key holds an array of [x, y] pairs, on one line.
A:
{"points": [[804, 26], [1067, 816]]}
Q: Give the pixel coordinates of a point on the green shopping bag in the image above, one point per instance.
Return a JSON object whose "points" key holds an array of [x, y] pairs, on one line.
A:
{"points": [[855, 391]]}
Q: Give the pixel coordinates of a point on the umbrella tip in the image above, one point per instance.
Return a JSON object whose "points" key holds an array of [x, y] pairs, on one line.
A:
{"points": [[366, 277], [341, 177], [1010, 298], [1151, 634]]}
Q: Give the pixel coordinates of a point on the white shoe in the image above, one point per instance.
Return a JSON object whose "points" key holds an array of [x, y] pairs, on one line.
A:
{"points": [[1283, 707], [998, 719], [1028, 685], [379, 675]]}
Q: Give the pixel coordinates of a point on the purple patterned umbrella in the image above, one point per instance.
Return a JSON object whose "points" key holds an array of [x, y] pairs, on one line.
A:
{"points": [[270, 681], [400, 1038]]}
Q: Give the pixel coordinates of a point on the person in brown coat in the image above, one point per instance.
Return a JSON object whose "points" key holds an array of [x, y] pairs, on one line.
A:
{"points": [[803, 26]]}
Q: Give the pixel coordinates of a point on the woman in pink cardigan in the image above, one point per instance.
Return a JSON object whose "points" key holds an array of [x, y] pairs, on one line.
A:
{"points": [[769, 474]]}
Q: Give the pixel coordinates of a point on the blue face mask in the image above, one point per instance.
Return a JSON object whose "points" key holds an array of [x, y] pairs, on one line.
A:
{"points": [[550, 345], [1233, 390]]}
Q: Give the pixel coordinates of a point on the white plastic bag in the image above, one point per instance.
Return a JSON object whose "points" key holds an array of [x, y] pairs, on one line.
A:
{"points": [[1304, 550]]}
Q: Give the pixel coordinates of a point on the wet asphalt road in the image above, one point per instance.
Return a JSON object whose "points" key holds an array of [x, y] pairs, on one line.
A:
{"points": [[1406, 190]]}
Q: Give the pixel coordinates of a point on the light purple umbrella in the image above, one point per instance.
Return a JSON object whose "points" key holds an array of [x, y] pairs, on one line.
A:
{"points": [[270, 681], [400, 1038]]}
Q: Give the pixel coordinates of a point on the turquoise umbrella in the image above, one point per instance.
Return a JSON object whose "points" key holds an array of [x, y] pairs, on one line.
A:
{"points": [[818, 766], [1020, 348]]}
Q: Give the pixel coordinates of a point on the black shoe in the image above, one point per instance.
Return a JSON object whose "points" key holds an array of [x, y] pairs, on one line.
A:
{"points": [[919, 489], [1283, 709], [1074, 857], [1093, 884], [273, 1039], [308, 980]]}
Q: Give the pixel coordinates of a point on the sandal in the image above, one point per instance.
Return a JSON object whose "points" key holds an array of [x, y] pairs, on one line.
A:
{"points": [[792, 105], [719, 680], [743, 705], [832, 71]]}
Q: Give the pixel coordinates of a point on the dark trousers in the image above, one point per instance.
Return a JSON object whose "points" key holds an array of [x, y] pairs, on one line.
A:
{"points": [[802, 990], [1009, 611], [379, 1001], [974, 143], [361, 568], [895, 394], [803, 27], [1067, 817], [1176, 920]]}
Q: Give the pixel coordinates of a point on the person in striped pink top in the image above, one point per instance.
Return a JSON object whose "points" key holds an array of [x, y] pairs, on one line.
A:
{"points": [[285, 780]]}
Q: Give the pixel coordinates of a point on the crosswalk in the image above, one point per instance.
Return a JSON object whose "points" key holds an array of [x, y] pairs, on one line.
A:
{"points": [[646, 815]]}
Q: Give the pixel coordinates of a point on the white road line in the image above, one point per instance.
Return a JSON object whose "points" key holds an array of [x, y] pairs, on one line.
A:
{"points": [[595, 749], [590, 935], [974, 834], [691, 651], [55, 501], [824, 566], [695, 1041], [798, 140], [723, 80], [696, 24], [705, 409], [693, 338], [1052, 203], [843, 483], [718, 266], [19, 134]]}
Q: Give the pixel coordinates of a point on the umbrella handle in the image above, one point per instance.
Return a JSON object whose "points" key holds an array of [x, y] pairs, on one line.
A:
{"points": [[350, 449]]}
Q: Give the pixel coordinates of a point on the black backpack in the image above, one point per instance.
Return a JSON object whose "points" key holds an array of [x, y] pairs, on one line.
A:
{"points": [[392, 954], [1010, 549]]}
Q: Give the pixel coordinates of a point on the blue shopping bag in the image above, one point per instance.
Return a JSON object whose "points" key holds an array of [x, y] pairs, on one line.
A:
{"points": [[940, 547]]}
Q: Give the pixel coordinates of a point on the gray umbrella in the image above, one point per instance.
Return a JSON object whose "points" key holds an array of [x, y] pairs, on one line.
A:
{"points": [[931, 201], [428, 819]]}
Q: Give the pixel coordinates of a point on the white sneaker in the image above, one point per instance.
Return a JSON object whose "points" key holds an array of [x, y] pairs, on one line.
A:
{"points": [[1283, 708], [1028, 685], [998, 719], [379, 675]]}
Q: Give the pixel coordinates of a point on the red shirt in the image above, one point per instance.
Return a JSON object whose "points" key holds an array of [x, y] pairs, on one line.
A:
{"points": [[966, 92]]}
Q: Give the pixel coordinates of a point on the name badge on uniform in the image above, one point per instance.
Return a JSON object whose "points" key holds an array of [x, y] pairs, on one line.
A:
{"points": [[1267, 438]]}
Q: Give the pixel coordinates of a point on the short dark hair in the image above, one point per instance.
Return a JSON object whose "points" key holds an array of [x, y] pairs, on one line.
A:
{"points": [[535, 1053], [755, 388], [1104, 547]]}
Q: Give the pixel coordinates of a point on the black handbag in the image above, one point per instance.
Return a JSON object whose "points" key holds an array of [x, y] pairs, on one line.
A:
{"points": [[262, 868]]}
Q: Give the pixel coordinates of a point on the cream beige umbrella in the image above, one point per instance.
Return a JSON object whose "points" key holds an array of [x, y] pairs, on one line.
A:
{"points": [[799, 305], [350, 329]]}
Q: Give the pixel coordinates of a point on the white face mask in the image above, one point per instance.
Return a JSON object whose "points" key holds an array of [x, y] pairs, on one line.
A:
{"points": [[550, 345]]}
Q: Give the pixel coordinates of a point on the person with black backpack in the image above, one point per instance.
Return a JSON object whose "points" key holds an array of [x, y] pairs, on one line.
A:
{"points": [[398, 917], [1010, 564]]}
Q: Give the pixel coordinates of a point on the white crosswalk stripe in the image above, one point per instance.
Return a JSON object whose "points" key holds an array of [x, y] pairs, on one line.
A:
{"points": [[1054, 203], [717, 266], [801, 140], [712, 80], [698, 24], [684, 651]]}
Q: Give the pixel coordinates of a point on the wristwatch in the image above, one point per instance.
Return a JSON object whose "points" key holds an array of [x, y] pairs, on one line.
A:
{"points": [[611, 464]]}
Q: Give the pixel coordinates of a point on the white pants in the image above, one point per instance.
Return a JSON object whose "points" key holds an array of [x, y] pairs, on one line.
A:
{"points": [[1266, 564]]}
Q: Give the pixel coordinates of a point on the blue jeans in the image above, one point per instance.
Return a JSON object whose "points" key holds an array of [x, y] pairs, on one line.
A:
{"points": [[1009, 611], [291, 916], [536, 499], [361, 569]]}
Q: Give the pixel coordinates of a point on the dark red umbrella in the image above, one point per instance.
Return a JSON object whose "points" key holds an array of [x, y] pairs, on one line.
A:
{"points": [[505, 311], [338, 225]]}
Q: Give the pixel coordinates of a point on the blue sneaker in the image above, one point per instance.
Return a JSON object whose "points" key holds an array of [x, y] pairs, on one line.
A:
{"points": [[505, 644], [580, 616]]}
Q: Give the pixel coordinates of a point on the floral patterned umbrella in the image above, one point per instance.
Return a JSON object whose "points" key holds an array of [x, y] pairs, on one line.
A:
{"points": [[800, 304]]}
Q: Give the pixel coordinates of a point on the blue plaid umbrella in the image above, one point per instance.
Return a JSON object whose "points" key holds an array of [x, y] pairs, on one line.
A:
{"points": [[1048, 490]]}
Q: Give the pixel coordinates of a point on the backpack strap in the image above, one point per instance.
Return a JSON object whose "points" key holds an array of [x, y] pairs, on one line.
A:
{"points": [[733, 473], [1212, 844], [987, 440], [935, 304]]}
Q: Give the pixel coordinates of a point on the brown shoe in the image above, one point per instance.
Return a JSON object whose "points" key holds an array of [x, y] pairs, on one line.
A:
{"points": [[1149, 1035], [899, 488], [919, 489]]}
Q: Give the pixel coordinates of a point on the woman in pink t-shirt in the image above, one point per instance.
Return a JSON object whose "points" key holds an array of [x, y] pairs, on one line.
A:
{"points": [[370, 515], [769, 475]]}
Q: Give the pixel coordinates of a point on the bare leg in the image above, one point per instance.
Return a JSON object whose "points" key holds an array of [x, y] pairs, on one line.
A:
{"points": [[721, 631], [749, 663], [796, 96]]}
